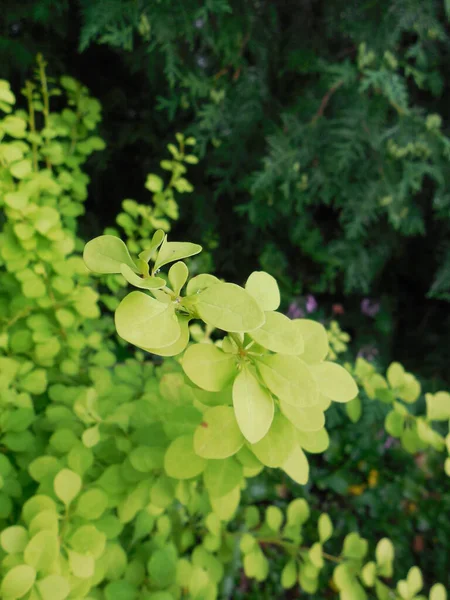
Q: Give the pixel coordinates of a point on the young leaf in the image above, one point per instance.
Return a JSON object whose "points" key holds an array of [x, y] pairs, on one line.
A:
{"points": [[278, 334], [178, 346], [229, 307], [314, 442], [106, 254], [222, 476], [264, 289], [325, 527], [157, 240], [334, 381], [17, 582], [296, 466], [315, 340], [67, 485], [200, 283], [172, 251], [253, 406], [145, 322], [180, 460], [146, 283], [209, 367], [218, 436], [277, 445], [311, 418], [178, 274], [289, 378]]}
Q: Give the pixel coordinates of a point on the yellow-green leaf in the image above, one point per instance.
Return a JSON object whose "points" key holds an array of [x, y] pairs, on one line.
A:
{"points": [[264, 289], [334, 381], [146, 322], [289, 378], [253, 406], [106, 254], [278, 334], [218, 436], [229, 307], [209, 367]]}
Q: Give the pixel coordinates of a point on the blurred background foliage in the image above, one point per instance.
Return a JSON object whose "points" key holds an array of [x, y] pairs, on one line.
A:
{"points": [[321, 129]]}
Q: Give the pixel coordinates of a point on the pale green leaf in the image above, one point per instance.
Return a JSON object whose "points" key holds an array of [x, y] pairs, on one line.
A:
{"points": [[289, 575], [172, 251], [53, 587], [306, 419], [67, 485], [81, 565], [264, 289], [278, 334], [17, 582], [438, 406], [178, 275], [222, 476], [157, 240], [181, 461], [229, 307], [92, 504], [277, 445], [325, 527], [218, 436], [334, 381], [368, 574], [42, 550], [209, 367], [438, 592], [145, 322], [253, 406], [314, 442], [315, 340], [354, 409], [225, 506], [144, 283], [200, 283], [296, 466], [14, 539], [414, 580], [289, 378], [178, 346], [106, 254]]}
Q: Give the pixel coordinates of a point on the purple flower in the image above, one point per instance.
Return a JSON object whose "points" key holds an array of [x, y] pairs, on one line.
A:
{"points": [[368, 352], [370, 307], [294, 311], [389, 442], [311, 303]]}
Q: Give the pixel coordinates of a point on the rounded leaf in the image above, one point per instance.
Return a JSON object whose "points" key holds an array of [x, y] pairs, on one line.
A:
{"points": [[53, 587], [17, 582], [178, 346], [311, 418], [144, 283], [277, 445], [296, 466], [172, 251], [289, 378], [264, 289], [180, 460], [218, 436], [200, 282], [229, 307], [334, 381], [278, 334], [14, 539], [253, 406], [314, 442], [145, 322], [178, 274], [222, 476], [106, 254], [315, 340], [67, 485], [209, 367]]}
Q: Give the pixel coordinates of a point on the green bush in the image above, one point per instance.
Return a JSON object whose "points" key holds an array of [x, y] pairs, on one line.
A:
{"points": [[124, 479]]}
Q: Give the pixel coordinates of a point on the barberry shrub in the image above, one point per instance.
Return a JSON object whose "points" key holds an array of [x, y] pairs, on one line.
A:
{"points": [[123, 479]]}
